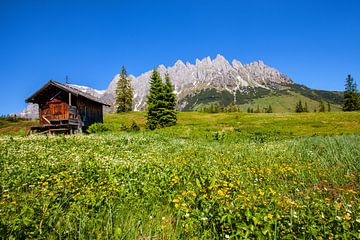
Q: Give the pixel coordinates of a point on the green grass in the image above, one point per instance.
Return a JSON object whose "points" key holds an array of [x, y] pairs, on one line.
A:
{"points": [[213, 176], [15, 128], [199, 125]]}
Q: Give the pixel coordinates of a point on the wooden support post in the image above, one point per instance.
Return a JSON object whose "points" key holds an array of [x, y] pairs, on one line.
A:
{"points": [[69, 99]]}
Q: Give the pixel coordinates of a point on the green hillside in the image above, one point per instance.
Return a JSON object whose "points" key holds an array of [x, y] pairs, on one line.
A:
{"points": [[281, 100]]}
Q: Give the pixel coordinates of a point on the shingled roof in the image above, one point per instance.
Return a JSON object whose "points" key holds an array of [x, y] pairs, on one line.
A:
{"points": [[65, 88]]}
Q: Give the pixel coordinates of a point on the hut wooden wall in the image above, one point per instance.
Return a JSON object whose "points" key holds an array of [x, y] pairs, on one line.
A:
{"points": [[90, 112], [53, 110]]}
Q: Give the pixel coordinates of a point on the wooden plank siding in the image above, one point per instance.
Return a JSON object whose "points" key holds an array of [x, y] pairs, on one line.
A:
{"points": [[90, 112], [54, 110]]}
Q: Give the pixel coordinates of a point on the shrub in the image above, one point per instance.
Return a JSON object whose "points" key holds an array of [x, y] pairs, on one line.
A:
{"points": [[97, 128], [218, 136], [134, 127]]}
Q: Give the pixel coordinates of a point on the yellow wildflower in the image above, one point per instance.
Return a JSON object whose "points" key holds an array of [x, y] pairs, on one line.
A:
{"points": [[273, 192], [270, 216], [347, 216], [261, 192]]}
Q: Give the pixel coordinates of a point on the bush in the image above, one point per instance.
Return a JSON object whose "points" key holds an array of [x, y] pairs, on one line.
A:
{"points": [[134, 127], [97, 128], [218, 136]]}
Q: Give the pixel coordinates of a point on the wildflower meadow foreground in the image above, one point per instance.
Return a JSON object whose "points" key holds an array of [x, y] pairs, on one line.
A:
{"points": [[157, 185]]}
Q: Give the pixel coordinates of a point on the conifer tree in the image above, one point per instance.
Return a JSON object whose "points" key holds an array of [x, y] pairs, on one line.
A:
{"points": [[299, 108], [321, 106], [124, 93], [351, 95], [329, 107], [169, 117], [161, 102], [305, 108], [269, 109], [155, 101]]}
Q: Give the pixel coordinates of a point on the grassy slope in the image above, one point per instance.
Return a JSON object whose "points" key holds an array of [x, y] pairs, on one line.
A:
{"points": [[20, 127], [287, 103], [281, 100]]}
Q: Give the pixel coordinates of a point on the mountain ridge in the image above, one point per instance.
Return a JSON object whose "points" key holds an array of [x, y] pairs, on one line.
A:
{"points": [[216, 76]]}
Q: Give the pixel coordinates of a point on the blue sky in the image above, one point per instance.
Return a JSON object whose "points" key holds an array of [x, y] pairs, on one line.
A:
{"points": [[316, 43]]}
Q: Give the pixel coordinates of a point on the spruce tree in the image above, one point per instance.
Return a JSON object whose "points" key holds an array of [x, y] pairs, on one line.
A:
{"points": [[305, 108], [155, 101], [329, 107], [161, 102], [124, 93], [169, 117], [351, 95], [299, 108], [321, 106], [269, 109]]}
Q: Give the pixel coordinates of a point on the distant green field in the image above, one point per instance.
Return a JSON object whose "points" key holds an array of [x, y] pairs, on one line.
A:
{"points": [[212, 176], [193, 124], [18, 127]]}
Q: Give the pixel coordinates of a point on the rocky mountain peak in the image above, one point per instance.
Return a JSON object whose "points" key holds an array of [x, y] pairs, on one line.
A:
{"points": [[220, 58], [179, 63]]}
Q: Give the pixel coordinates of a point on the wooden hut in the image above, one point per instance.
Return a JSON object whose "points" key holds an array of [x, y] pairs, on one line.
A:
{"points": [[63, 108]]}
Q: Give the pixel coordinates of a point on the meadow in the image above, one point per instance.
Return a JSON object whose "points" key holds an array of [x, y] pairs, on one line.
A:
{"points": [[212, 176]]}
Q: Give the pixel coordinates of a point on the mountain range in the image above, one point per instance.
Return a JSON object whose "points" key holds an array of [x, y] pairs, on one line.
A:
{"points": [[217, 80]]}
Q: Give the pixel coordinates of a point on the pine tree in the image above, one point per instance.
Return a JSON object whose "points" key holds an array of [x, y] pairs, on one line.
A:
{"points": [[321, 106], [169, 117], [306, 107], [269, 109], [299, 108], [161, 102], [155, 101], [329, 107], [124, 93], [351, 95]]}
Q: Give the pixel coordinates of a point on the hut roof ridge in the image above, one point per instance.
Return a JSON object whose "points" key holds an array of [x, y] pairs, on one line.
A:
{"points": [[67, 88]]}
